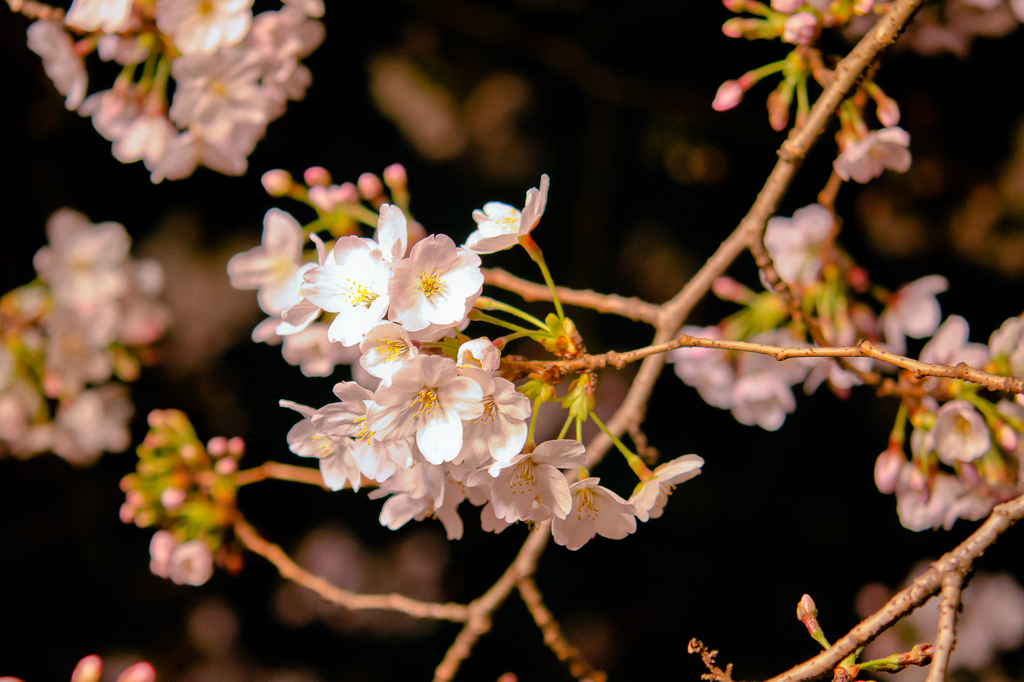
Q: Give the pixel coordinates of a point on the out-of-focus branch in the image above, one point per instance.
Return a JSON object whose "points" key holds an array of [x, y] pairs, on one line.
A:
{"points": [[553, 637], [334, 594], [958, 561], [280, 472], [751, 228], [481, 608], [864, 349], [632, 308], [36, 10], [945, 640]]}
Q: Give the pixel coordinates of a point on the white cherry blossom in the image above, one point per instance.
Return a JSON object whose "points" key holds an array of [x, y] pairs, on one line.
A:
{"points": [[649, 498], [868, 157], [386, 348], [762, 394], [337, 466], [595, 510], [435, 285], [190, 563], [499, 226], [112, 111], [218, 92], [706, 369], [960, 432], [109, 16], [949, 345], [1008, 342], [62, 64], [427, 398], [479, 353], [500, 431], [530, 486], [204, 26], [227, 154], [313, 352], [794, 243], [145, 139], [914, 312], [275, 266]]}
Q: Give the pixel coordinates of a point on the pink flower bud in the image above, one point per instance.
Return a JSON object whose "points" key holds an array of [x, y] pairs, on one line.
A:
{"points": [[277, 182], [156, 419], [88, 669], [347, 193], [370, 186], [317, 175], [887, 470], [140, 672], [729, 94], [126, 513], [787, 6], [737, 28], [171, 498], [969, 474], [236, 446], [160, 548], [806, 608], [188, 451], [863, 7], [1007, 438], [322, 198], [735, 5], [226, 466], [217, 446], [800, 28], [395, 176], [859, 279], [728, 289], [888, 112]]}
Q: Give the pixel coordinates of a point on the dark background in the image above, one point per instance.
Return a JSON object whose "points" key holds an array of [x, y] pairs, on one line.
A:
{"points": [[646, 181]]}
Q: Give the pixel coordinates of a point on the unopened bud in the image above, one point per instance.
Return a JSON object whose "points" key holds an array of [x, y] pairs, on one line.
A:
{"points": [[126, 513], [370, 186], [88, 669], [887, 470], [800, 28], [277, 182], [217, 446], [188, 451], [787, 6], [862, 7], [140, 672], [1007, 438], [730, 93], [859, 279], [743, 28], [226, 466], [888, 111], [171, 498], [728, 289], [316, 175], [779, 101], [395, 176], [236, 446], [735, 5], [807, 613]]}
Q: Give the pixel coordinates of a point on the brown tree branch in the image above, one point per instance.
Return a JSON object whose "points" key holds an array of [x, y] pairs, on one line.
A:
{"points": [[960, 561], [334, 594], [751, 228], [945, 640], [553, 637], [280, 472], [632, 308]]}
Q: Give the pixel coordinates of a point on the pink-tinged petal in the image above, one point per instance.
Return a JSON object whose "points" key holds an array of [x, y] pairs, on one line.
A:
{"points": [[304, 410], [552, 489], [536, 202], [506, 443], [398, 510], [390, 423], [449, 516], [562, 454], [440, 438], [392, 233], [339, 468], [282, 235], [297, 318]]}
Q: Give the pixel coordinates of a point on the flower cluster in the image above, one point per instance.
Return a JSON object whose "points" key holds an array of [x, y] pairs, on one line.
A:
{"points": [[91, 315], [233, 73], [188, 490], [966, 445], [864, 153], [828, 285]]}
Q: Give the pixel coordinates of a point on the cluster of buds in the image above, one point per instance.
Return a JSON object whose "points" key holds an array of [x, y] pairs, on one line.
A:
{"points": [[91, 315], [864, 153], [90, 669], [187, 490], [848, 669], [966, 444], [233, 73], [434, 416], [829, 287]]}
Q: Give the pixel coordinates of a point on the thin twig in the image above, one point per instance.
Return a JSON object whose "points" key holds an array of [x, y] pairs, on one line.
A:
{"points": [[714, 674], [481, 608], [553, 637], [290, 570], [280, 472], [945, 640], [675, 311], [959, 560], [632, 308], [36, 10]]}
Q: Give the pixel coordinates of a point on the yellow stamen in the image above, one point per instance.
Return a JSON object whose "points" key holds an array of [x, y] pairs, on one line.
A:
{"points": [[365, 434], [360, 295], [427, 400], [488, 415], [205, 7], [586, 505], [392, 349], [522, 480], [430, 283]]}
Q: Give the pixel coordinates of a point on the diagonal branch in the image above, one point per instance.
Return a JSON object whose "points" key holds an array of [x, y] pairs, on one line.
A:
{"points": [[553, 637], [632, 308], [958, 561], [945, 640], [334, 594]]}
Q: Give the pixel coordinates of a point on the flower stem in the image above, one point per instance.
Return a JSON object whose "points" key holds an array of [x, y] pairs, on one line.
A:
{"points": [[565, 428], [634, 461], [538, 258], [538, 401], [484, 317], [487, 303]]}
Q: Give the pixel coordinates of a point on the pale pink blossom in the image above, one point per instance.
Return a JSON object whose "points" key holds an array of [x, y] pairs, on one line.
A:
{"points": [[142, 671], [112, 111], [706, 369], [800, 28], [337, 466], [795, 243], [160, 548], [960, 433], [762, 394], [868, 157], [218, 92], [224, 154], [530, 486], [275, 266], [499, 433], [479, 353], [949, 345], [887, 470], [500, 226], [914, 311], [191, 563], [1008, 342], [109, 16], [145, 139], [123, 49], [595, 510], [650, 496], [386, 348], [62, 63], [314, 353], [204, 27], [435, 285]]}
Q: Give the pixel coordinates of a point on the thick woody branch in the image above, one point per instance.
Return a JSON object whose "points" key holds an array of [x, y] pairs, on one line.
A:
{"points": [[480, 609], [553, 637], [751, 228], [959, 561], [334, 594], [945, 640], [632, 308]]}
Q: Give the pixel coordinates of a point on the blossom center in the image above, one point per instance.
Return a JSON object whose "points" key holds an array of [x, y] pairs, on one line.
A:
{"points": [[488, 414], [430, 283], [324, 445], [365, 434], [508, 223], [427, 401], [205, 7], [585, 505], [391, 349], [360, 295], [522, 479]]}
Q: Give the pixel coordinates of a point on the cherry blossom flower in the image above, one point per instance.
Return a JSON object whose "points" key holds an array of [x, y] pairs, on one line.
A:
{"points": [[650, 496], [112, 111], [273, 267], [866, 158], [160, 548], [62, 64], [595, 510], [145, 139], [913, 311], [337, 466], [949, 345], [314, 353], [500, 431], [530, 486], [706, 369], [281, 39], [1008, 342], [201, 28], [762, 394], [386, 348], [479, 353], [435, 285], [227, 153], [730, 93], [960, 433], [218, 92], [109, 16], [427, 398], [794, 243], [800, 28], [887, 470], [499, 226], [190, 563]]}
